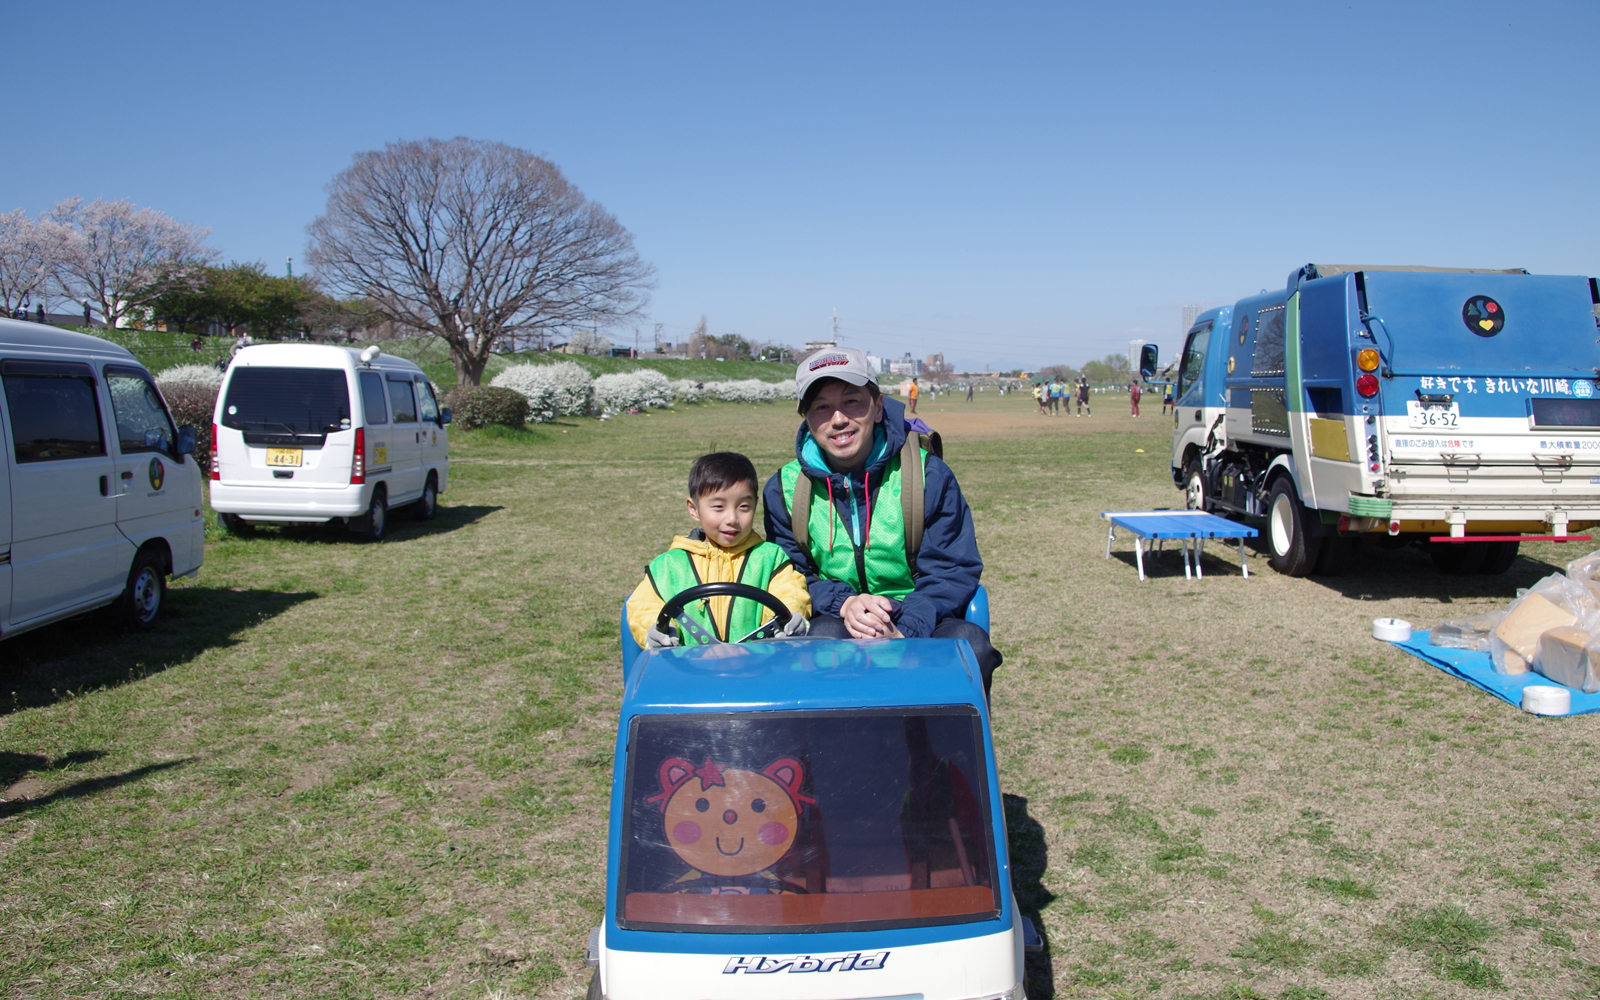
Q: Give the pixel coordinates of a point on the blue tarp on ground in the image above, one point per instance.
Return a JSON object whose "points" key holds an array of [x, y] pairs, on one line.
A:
{"points": [[1475, 668]]}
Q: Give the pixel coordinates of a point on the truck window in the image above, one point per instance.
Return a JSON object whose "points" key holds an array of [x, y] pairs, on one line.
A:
{"points": [[372, 404], [142, 420], [807, 821], [1191, 369], [402, 402], [1267, 361], [287, 405], [429, 406], [54, 410]]}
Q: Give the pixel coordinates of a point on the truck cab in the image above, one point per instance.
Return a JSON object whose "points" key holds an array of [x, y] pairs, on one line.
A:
{"points": [[1406, 404]]}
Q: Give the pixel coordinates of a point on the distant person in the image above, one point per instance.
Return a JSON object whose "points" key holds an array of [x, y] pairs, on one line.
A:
{"points": [[41, 312], [1041, 394], [197, 345], [969, 392], [1134, 392], [1166, 401], [86, 312], [913, 392], [723, 548], [1083, 397]]}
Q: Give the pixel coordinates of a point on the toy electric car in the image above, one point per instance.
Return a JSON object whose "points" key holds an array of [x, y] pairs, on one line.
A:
{"points": [[806, 818]]}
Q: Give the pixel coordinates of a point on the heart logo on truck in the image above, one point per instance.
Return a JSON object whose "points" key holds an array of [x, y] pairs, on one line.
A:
{"points": [[1483, 316]]}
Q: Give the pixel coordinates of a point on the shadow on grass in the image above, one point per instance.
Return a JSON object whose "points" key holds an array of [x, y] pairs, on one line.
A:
{"points": [[1030, 858], [14, 765], [89, 786], [402, 527], [91, 652], [1169, 562], [1373, 572]]}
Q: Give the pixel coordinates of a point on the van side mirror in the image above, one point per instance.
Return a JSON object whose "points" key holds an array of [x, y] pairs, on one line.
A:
{"points": [[1148, 358], [186, 439], [444, 415]]}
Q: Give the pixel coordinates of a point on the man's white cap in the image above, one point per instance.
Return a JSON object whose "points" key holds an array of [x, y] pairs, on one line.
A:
{"points": [[847, 364]]}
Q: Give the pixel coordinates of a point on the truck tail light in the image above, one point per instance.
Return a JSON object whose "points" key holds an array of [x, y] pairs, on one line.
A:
{"points": [[1367, 385], [1367, 359], [358, 462], [216, 470]]}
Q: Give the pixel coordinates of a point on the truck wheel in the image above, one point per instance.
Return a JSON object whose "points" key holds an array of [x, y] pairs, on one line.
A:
{"points": [[1194, 486], [375, 520], [1293, 548], [1499, 557], [428, 506], [594, 986], [235, 525], [146, 593], [1458, 558]]}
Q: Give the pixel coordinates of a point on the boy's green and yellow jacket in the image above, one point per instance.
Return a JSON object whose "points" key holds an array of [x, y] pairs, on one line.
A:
{"points": [[693, 560]]}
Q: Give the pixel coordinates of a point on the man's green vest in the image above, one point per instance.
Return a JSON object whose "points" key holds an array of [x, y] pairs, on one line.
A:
{"points": [[673, 572], [883, 566]]}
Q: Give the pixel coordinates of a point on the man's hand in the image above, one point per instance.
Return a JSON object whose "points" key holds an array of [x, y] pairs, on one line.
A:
{"points": [[654, 638], [797, 626], [866, 616]]}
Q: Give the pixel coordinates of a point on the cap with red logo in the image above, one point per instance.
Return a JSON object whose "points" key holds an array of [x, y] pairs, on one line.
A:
{"points": [[848, 364]]}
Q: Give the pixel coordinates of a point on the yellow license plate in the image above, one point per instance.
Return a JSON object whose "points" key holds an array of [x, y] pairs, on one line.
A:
{"points": [[284, 456]]}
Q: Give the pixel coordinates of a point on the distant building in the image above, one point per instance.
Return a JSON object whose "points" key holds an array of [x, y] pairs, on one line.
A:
{"points": [[906, 365], [813, 346], [878, 365], [1189, 314]]}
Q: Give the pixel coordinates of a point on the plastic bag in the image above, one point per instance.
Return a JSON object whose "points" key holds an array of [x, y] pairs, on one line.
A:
{"points": [[1585, 571], [1466, 633], [1570, 655], [1552, 602]]}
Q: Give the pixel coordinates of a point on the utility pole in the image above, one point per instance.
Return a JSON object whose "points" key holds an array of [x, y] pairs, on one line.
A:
{"points": [[658, 337], [636, 342], [836, 326]]}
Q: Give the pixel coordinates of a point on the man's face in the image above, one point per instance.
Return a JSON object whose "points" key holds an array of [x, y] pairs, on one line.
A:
{"points": [[726, 515], [841, 419]]}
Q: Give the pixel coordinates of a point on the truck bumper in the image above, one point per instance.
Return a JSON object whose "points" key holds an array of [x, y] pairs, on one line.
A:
{"points": [[266, 503]]}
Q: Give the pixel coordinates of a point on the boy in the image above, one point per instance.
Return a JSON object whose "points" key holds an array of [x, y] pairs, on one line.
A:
{"points": [[723, 549]]}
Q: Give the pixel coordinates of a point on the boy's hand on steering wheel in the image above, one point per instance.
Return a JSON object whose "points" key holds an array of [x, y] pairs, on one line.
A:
{"points": [[867, 616]]}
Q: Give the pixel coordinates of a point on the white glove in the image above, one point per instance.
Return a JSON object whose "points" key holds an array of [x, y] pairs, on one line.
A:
{"points": [[798, 625], [654, 638]]}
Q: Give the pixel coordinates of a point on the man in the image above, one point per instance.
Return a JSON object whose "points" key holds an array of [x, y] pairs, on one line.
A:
{"points": [[1134, 392], [1083, 396], [863, 582], [913, 392]]}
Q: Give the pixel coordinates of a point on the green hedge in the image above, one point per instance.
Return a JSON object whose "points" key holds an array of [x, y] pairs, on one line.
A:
{"points": [[475, 406]]}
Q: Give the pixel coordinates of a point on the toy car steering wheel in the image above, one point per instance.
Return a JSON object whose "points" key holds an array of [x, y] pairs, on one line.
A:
{"points": [[673, 610]]}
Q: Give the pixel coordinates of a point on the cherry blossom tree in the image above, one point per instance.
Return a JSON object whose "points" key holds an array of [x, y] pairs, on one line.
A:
{"points": [[122, 258], [28, 253], [473, 241]]}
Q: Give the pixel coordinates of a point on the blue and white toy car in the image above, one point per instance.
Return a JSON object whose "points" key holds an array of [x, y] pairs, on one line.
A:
{"points": [[806, 818]]}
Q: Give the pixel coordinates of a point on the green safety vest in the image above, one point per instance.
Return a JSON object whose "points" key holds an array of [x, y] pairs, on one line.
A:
{"points": [[885, 566], [673, 572]]}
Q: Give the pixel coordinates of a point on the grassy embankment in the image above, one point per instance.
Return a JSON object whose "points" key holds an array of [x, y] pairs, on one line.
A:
{"points": [[381, 771]]}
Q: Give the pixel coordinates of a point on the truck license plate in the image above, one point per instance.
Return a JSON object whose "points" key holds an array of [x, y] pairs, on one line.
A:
{"points": [[1441, 415], [284, 456]]}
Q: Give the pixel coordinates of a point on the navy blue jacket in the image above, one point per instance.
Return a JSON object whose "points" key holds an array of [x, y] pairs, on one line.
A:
{"points": [[948, 565]]}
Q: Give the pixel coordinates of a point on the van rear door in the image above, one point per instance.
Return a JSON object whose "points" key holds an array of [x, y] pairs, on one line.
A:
{"points": [[291, 427], [65, 549]]}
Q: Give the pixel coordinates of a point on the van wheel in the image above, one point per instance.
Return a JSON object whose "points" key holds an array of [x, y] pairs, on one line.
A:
{"points": [[1294, 549], [141, 603], [376, 519], [1458, 558], [233, 524], [1194, 486], [428, 506], [1499, 557]]}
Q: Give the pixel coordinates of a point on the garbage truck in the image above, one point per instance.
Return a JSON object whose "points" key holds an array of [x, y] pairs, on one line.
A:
{"points": [[1456, 409]]}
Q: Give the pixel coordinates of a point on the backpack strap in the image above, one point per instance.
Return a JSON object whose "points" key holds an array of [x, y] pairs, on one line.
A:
{"points": [[800, 511], [911, 502]]}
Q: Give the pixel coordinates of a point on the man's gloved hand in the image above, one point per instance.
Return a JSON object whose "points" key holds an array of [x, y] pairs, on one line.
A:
{"points": [[654, 638], [798, 625]]}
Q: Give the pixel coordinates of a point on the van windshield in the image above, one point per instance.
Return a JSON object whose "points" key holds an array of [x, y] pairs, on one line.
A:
{"points": [[807, 821], [287, 405]]}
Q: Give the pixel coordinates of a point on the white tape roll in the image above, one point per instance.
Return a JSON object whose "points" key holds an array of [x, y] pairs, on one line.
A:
{"points": [[1546, 699], [1391, 629]]}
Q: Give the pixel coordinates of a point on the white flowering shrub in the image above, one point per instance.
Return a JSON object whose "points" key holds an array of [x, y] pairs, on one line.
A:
{"points": [[751, 390], [687, 390], [535, 384], [201, 375], [574, 388], [632, 390]]}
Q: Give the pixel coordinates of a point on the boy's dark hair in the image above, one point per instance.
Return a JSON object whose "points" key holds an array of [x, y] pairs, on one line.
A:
{"points": [[720, 470]]}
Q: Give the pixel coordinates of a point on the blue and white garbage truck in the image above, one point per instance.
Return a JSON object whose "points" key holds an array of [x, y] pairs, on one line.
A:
{"points": [[1456, 409]]}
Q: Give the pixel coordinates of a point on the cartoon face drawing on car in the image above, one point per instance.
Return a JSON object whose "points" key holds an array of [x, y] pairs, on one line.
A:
{"points": [[730, 825]]}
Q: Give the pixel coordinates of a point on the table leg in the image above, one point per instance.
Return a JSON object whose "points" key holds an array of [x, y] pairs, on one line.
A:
{"points": [[1111, 532], [1184, 542], [1245, 569], [1138, 556], [1199, 550]]}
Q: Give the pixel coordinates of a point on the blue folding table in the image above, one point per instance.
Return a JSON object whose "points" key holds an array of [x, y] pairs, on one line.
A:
{"points": [[1190, 527]]}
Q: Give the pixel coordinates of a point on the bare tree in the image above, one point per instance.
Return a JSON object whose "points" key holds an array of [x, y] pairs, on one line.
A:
{"points": [[27, 254], [472, 241], [123, 257]]}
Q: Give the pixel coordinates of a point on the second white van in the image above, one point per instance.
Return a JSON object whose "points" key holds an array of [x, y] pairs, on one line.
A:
{"points": [[310, 433]]}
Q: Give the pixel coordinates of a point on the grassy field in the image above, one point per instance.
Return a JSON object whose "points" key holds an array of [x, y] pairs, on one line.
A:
{"points": [[343, 770]]}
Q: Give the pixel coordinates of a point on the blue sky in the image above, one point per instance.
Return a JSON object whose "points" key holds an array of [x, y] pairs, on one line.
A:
{"points": [[1010, 184]]}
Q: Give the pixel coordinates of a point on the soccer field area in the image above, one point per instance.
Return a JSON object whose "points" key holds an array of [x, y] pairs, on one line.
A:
{"points": [[347, 770]]}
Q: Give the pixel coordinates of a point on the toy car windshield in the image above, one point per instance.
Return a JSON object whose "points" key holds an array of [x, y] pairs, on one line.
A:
{"points": [[807, 821]]}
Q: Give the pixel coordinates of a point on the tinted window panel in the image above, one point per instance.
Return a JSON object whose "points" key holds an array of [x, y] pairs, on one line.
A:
{"points": [[53, 418], [807, 822], [402, 403], [429, 405], [1192, 368], [287, 402], [372, 406], [142, 420]]}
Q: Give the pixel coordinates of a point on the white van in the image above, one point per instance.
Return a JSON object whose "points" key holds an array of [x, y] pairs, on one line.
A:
{"points": [[99, 499], [312, 432]]}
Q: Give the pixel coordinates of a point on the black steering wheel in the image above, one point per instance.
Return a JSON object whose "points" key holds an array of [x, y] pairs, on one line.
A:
{"points": [[674, 607]]}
